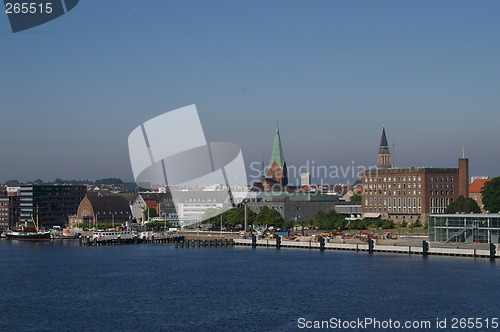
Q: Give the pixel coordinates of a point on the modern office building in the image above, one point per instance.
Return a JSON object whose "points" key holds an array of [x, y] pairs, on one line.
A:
{"points": [[408, 194], [470, 228], [53, 203]]}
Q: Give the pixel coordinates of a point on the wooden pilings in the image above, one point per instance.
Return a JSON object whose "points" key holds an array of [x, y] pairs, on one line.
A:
{"points": [[88, 241]]}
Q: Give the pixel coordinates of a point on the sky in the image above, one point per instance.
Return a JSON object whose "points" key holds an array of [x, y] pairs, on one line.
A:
{"points": [[332, 72]]}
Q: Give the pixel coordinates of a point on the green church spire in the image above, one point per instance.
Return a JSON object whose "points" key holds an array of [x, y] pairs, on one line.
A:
{"points": [[277, 150]]}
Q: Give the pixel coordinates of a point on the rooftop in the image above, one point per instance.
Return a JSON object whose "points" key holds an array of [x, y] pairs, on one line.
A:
{"points": [[477, 185]]}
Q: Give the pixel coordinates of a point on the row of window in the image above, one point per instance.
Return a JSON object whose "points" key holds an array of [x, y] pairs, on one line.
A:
{"points": [[394, 193], [442, 178], [442, 185], [410, 178], [398, 179], [389, 186], [394, 202], [396, 210], [443, 192], [440, 202]]}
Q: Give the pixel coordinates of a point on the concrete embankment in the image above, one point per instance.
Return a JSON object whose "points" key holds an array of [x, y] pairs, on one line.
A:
{"points": [[425, 248]]}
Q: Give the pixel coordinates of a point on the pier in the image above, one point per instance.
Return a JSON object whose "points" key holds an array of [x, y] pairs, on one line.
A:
{"points": [[371, 247], [178, 241]]}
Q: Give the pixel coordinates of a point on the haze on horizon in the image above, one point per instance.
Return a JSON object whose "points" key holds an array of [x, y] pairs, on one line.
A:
{"points": [[332, 72]]}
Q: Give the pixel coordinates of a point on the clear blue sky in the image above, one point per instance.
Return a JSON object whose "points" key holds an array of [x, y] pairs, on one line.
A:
{"points": [[332, 72]]}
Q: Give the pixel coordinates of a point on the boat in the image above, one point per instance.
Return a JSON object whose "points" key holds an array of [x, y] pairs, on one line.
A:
{"points": [[27, 233], [58, 233], [112, 234]]}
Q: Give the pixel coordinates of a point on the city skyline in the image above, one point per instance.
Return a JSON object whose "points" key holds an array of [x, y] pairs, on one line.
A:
{"points": [[333, 74]]}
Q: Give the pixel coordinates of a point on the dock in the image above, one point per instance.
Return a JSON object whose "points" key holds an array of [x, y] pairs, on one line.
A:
{"points": [[371, 247], [178, 241]]}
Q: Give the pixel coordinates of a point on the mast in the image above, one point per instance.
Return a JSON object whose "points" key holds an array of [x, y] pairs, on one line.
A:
{"points": [[36, 218]]}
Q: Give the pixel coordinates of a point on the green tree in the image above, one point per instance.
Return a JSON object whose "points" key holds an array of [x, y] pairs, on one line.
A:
{"points": [[150, 212], [356, 198], [109, 181], [38, 181], [416, 224], [267, 216], [388, 224], [157, 225], [330, 220], [491, 195], [209, 216], [463, 204], [12, 182]]}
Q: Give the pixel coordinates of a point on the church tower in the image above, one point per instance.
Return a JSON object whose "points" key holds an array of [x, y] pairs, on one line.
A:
{"points": [[384, 155], [277, 166]]}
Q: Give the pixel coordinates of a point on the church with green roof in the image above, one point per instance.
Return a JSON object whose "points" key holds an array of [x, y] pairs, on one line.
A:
{"points": [[277, 170]]}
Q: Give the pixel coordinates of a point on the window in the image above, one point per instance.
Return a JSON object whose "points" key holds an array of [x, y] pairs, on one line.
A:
{"points": [[431, 178]]}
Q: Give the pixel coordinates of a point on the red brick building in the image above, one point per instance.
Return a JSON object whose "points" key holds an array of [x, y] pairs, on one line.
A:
{"points": [[475, 191], [408, 194], [102, 209]]}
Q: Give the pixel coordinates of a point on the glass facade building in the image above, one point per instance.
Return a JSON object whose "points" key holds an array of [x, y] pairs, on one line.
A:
{"points": [[470, 228]]}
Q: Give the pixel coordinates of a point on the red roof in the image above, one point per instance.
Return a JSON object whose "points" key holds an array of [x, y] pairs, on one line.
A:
{"points": [[477, 185]]}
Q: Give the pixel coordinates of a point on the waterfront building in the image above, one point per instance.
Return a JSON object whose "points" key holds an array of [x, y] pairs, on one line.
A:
{"points": [[301, 207], [475, 191], [408, 194], [160, 201], [470, 228], [112, 209], [4, 212], [54, 203], [9, 211]]}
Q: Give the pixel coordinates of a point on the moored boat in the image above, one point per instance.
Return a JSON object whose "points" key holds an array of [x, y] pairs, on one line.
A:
{"points": [[27, 233]]}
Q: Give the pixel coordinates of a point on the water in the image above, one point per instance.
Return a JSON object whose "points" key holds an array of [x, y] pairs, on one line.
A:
{"points": [[59, 286]]}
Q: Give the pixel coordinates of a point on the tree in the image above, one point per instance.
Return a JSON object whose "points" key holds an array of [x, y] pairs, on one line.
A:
{"points": [[157, 225], [268, 216], [463, 204], [330, 220], [12, 182], [37, 181], [416, 224], [491, 195], [109, 181], [150, 212], [356, 198]]}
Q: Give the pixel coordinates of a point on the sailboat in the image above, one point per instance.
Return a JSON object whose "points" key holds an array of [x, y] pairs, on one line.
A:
{"points": [[27, 233]]}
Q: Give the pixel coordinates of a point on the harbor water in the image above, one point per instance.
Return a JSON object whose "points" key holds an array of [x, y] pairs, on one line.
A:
{"points": [[60, 286]]}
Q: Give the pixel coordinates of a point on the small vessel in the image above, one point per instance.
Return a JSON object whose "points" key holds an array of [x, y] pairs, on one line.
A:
{"points": [[68, 234], [27, 233], [102, 235], [58, 233]]}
